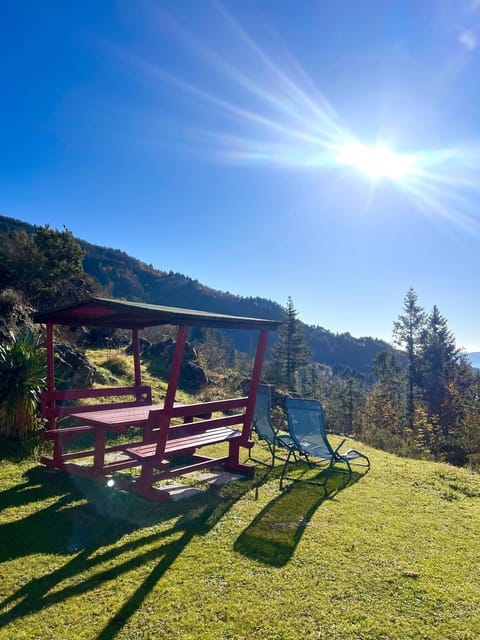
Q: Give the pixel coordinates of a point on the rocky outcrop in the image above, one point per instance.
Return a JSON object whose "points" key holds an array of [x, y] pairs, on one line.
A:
{"points": [[144, 346], [15, 314], [160, 356], [73, 370], [101, 337]]}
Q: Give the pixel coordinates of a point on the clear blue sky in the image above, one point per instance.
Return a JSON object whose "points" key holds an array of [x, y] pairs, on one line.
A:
{"points": [[326, 150]]}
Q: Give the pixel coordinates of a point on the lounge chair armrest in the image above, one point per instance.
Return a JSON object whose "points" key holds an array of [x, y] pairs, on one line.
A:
{"points": [[340, 445]]}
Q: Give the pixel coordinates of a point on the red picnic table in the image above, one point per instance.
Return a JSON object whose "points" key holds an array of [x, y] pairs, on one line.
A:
{"points": [[119, 419], [116, 421], [163, 440]]}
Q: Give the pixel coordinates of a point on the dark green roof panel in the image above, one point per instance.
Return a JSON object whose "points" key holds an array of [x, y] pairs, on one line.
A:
{"points": [[123, 314]]}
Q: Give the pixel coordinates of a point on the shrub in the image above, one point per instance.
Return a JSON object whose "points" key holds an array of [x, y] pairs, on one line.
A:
{"points": [[22, 378], [119, 365]]}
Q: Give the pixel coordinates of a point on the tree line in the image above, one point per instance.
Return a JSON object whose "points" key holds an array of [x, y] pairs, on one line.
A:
{"points": [[423, 400]]}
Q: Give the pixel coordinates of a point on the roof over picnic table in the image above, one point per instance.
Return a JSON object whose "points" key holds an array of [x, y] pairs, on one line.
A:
{"points": [[124, 314]]}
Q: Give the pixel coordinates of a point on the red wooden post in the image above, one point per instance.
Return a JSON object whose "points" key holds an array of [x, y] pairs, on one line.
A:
{"points": [[145, 481], [52, 422], [99, 449], [233, 462], [254, 382], [136, 360], [172, 384], [175, 369]]}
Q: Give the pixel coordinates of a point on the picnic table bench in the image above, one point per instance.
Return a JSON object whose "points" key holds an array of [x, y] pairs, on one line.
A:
{"points": [[53, 408], [166, 449], [168, 444]]}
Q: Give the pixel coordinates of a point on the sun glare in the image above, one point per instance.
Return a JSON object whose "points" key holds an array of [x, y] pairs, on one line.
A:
{"points": [[277, 116], [376, 162]]}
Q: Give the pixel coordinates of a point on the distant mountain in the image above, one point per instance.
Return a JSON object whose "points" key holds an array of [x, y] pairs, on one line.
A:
{"points": [[121, 276], [474, 358]]}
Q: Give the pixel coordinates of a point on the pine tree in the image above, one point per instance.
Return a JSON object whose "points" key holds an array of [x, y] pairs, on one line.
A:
{"points": [[406, 333], [289, 353], [438, 358], [387, 371]]}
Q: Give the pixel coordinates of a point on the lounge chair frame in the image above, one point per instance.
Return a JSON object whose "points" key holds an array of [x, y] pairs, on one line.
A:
{"points": [[263, 427], [307, 429]]}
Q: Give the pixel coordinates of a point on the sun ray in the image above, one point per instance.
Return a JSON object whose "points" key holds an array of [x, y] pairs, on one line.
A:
{"points": [[280, 118]]}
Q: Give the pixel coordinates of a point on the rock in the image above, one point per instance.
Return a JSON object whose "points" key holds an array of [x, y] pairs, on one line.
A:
{"points": [[102, 337], [15, 314], [143, 344], [163, 350], [73, 370], [192, 375]]}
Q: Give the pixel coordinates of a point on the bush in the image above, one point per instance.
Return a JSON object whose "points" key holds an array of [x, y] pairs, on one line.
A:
{"points": [[22, 379], [119, 365]]}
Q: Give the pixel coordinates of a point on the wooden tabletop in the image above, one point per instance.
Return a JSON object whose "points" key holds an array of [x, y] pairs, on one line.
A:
{"points": [[118, 418]]}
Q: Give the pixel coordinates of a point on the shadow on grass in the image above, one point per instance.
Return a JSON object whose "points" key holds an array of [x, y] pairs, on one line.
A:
{"points": [[21, 450], [274, 534], [88, 521], [91, 531]]}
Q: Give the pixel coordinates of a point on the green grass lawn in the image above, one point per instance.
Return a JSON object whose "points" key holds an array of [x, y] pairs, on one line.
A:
{"points": [[393, 555]]}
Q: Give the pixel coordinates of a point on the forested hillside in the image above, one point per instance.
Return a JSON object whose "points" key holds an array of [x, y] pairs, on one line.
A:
{"points": [[423, 400], [121, 276]]}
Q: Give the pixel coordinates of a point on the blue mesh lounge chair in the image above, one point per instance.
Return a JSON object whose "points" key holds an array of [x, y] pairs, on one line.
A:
{"points": [[306, 424], [263, 427]]}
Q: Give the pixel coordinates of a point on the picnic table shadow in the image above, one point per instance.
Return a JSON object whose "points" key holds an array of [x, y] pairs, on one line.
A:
{"points": [[276, 531], [86, 531]]}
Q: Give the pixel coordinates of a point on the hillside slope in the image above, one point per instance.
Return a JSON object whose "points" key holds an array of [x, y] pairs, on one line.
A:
{"points": [[122, 276], [394, 556]]}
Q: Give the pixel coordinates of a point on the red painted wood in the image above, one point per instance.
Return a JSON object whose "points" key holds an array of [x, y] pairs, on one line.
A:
{"points": [[165, 441], [198, 463], [192, 428], [175, 369], [254, 382], [118, 418], [49, 409], [66, 433], [165, 416], [213, 436], [136, 358], [75, 394], [202, 408], [50, 371], [99, 455], [137, 416]]}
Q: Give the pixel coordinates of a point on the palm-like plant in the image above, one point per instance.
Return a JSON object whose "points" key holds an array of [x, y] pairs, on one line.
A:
{"points": [[22, 378]]}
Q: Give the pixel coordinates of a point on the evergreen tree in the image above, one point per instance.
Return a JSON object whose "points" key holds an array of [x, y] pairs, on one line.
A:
{"points": [[465, 433], [387, 371], [289, 353], [344, 403], [438, 363], [39, 264], [406, 333]]}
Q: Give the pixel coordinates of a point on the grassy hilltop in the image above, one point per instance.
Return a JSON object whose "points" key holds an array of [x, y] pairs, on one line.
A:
{"points": [[394, 555]]}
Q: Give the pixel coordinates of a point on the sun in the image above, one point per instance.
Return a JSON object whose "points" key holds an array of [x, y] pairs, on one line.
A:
{"points": [[376, 162]]}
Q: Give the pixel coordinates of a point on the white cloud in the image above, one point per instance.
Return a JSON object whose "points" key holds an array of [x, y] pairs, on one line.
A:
{"points": [[468, 40]]}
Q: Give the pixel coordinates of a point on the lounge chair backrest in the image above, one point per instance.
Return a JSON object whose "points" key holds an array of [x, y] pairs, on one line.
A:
{"points": [[306, 424], [261, 417]]}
